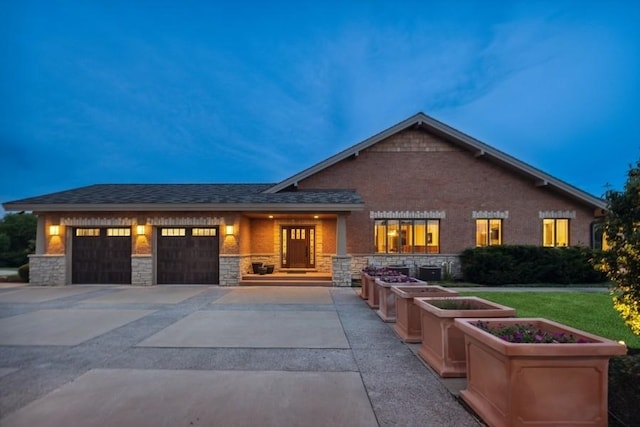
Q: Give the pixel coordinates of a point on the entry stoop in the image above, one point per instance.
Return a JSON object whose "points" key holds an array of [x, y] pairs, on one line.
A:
{"points": [[287, 279]]}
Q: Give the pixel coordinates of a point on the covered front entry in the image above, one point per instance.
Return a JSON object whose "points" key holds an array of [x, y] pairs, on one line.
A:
{"points": [[298, 246], [101, 256], [188, 255]]}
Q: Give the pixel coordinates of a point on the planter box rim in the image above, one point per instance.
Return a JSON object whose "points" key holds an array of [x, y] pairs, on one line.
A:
{"points": [[397, 289], [597, 345], [415, 282], [494, 309]]}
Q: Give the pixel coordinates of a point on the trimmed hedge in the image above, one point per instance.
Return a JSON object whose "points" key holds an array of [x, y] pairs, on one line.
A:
{"points": [[523, 264]]}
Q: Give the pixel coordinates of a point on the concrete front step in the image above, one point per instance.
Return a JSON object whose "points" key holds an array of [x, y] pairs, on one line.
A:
{"points": [[287, 279]]}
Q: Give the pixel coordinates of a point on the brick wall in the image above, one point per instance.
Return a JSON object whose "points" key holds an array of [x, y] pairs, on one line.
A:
{"points": [[414, 170]]}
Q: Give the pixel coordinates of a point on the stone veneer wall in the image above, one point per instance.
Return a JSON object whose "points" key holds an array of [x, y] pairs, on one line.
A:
{"points": [[342, 271], [230, 273], [47, 270], [142, 270], [448, 263]]}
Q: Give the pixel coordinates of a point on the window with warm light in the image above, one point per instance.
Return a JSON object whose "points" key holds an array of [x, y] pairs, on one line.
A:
{"points": [[407, 236], [203, 232], [118, 232], [488, 232], [555, 232]]}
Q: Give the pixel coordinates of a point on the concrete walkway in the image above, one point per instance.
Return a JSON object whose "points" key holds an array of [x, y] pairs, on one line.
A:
{"points": [[209, 356]]}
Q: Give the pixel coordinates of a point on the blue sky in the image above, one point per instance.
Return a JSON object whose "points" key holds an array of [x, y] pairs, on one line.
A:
{"points": [[207, 92]]}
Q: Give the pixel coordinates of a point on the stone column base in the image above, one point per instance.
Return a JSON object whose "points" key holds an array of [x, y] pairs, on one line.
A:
{"points": [[142, 270], [230, 270], [342, 271], [47, 270]]}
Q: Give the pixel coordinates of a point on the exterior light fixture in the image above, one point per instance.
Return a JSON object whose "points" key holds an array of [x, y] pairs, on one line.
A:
{"points": [[228, 231], [140, 230], [270, 216], [316, 216], [54, 230]]}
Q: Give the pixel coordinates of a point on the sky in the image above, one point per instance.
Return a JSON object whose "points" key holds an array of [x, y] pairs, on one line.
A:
{"points": [[250, 91]]}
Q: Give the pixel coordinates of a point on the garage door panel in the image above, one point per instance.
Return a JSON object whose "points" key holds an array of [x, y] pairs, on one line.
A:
{"points": [[188, 256], [99, 258]]}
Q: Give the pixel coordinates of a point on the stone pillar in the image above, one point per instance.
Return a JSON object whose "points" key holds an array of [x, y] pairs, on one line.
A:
{"points": [[341, 235], [230, 270], [40, 236], [47, 270], [142, 270], [342, 271]]}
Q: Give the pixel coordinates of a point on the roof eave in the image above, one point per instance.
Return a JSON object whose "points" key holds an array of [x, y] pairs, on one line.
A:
{"points": [[454, 136], [177, 207]]}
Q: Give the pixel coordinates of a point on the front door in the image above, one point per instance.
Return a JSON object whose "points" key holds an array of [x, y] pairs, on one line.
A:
{"points": [[298, 246]]}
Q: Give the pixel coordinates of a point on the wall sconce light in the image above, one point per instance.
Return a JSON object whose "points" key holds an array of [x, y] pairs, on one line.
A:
{"points": [[228, 230], [54, 230], [140, 230]]}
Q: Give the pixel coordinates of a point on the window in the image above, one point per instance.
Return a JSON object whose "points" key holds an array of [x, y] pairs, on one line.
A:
{"points": [[173, 232], [488, 232], [118, 232], [87, 232], [203, 232], [407, 236], [555, 232]]}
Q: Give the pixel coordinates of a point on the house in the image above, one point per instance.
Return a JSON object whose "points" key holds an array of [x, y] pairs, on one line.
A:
{"points": [[418, 193]]}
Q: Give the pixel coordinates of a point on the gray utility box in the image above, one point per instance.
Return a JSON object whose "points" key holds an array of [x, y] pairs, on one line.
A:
{"points": [[429, 273]]}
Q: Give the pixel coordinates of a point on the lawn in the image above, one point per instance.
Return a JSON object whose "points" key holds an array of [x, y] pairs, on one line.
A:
{"points": [[590, 311]]}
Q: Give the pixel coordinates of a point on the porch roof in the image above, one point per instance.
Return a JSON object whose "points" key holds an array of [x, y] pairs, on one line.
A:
{"points": [[190, 197]]}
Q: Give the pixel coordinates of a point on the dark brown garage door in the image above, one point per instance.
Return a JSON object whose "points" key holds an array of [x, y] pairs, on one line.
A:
{"points": [[188, 256], [101, 255]]}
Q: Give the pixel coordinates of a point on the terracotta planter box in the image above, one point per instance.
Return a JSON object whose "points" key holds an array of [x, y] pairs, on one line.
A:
{"points": [[387, 299], [442, 343], [408, 325], [511, 384], [364, 287]]}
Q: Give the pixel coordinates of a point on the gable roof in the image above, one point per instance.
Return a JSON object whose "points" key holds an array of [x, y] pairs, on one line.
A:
{"points": [[478, 148], [223, 197]]}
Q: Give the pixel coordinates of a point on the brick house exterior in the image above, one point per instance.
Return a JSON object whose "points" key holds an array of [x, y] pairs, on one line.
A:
{"points": [[369, 204]]}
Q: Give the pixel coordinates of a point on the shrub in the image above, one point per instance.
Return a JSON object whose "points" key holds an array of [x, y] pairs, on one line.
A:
{"points": [[23, 272], [500, 265]]}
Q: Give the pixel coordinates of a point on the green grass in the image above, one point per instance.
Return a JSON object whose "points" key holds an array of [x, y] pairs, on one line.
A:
{"points": [[590, 311]]}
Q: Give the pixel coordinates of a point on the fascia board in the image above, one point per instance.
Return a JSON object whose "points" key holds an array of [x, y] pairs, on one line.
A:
{"points": [[274, 207]]}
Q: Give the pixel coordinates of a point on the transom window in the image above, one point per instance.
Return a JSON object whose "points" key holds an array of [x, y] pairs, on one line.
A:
{"points": [[118, 232], [203, 232], [488, 232], [173, 232], [87, 232], [555, 232], [407, 236]]}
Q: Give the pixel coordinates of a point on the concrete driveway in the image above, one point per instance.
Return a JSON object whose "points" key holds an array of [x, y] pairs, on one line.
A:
{"points": [[209, 356]]}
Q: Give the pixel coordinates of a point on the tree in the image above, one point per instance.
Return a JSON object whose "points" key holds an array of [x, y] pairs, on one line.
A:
{"points": [[17, 238], [621, 261]]}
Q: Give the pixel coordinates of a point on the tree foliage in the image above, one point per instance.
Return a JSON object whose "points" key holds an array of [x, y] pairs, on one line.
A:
{"points": [[17, 239], [621, 261]]}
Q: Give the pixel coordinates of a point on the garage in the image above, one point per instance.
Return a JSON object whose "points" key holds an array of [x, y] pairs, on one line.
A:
{"points": [[188, 255], [101, 256]]}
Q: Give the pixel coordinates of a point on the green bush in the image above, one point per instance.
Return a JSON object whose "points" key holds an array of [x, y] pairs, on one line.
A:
{"points": [[523, 264], [23, 272]]}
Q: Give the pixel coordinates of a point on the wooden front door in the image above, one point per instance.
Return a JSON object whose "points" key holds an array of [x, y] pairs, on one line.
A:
{"points": [[298, 246]]}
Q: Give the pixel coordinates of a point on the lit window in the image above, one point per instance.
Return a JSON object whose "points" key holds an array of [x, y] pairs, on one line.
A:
{"points": [[87, 232], [173, 232], [203, 232], [407, 236], [555, 232], [118, 232], [488, 232]]}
